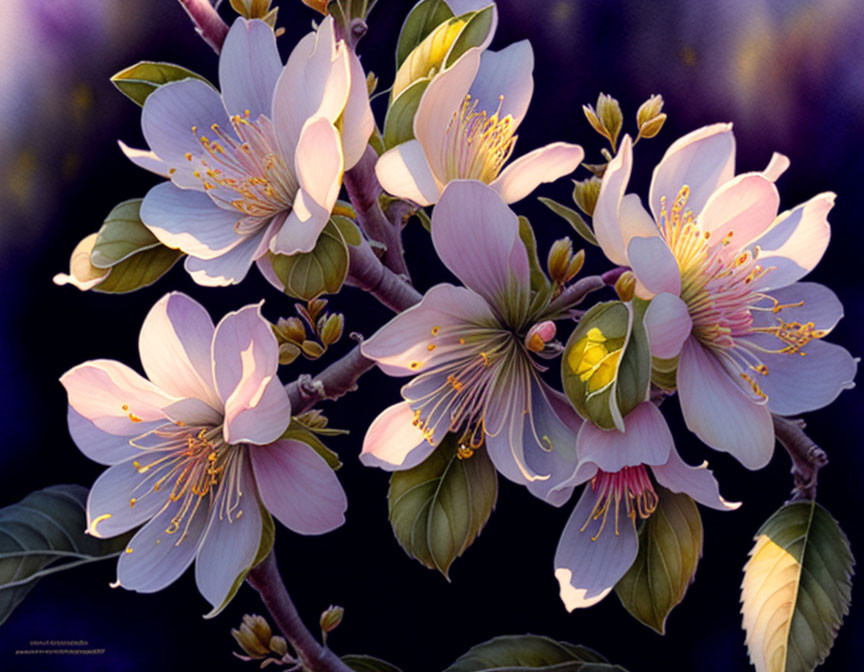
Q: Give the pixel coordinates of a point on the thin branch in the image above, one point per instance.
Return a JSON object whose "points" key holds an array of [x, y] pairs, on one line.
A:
{"points": [[208, 24], [368, 273], [363, 189], [332, 383], [807, 457], [575, 293], [266, 580]]}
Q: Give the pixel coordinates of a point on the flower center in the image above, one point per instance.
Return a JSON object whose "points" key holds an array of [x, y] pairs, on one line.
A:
{"points": [[631, 486], [476, 145], [247, 172]]}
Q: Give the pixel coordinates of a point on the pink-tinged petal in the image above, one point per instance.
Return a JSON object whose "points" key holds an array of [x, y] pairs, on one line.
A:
{"points": [[527, 172], [190, 221], [634, 220], [301, 229], [740, 210], [318, 162], [647, 440], [193, 412], [114, 397], [314, 83], [101, 446], [439, 320], [796, 384], [587, 570], [123, 497], [245, 359], [698, 482], [654, 265], [439, 102], [358, 122], [404, 172], [701, 160], [229, 268], [248, 68], [393, 442], [155, 558], [802, 302], [174, 345], [477, 237], [230, 543], [607, 226], [796, 241], [549, 440], [778, 165], [170, 113], [718, 412], [298, 487], [504, 80], [506, 413], [668, 324], [146, 159]]}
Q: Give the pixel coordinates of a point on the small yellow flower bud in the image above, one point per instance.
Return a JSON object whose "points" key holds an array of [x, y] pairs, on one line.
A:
{"points": [[312, 350], [278, 645], [315, 308], [585, 194], [332, 330], [317, 5], [558, 261], [331, 618], [288, 352], [251, 9], [625, 285], [575, 265], [371, 83], [291, 329], [648, 110], [652, 128], [253, 636], [607, 119]]}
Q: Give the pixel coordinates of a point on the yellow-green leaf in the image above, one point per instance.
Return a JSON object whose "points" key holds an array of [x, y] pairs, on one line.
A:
{"points": [[140, 270], [670, 545], [122, 235], [140, 80], [423, 18], [797, 589], [299, 432], [473, 35], [307, 275], [579, 225], [518, 653], [399, 122]]}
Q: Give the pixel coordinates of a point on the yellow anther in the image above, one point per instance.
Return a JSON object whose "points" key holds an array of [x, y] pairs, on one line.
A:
{"points": [[129, 549], [435, 330], [415, 365], [132, 503], [431, 347]]}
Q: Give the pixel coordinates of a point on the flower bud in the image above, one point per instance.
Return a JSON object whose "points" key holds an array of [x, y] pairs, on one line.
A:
{"points": [[648, 110], [291, 329], [585, 194], [313, 419], [251, 9], [331, 618], [607, 119], [539, 335], [562, 264], [253, 636], [317, 5], [625, 285], [278, 645], [651, 128], [371, 83], [312, 350], [288, 352], [331, 332]]}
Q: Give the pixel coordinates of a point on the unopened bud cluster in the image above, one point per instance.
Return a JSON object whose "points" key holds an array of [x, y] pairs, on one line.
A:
{"points": [[256, 9], [258, 642], [607, 119], [562, 264], [309, 336], [650, 117], [585, 194]]}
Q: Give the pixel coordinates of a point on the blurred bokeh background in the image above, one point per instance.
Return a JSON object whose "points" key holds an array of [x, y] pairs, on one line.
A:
{"points": [[788, 73]]}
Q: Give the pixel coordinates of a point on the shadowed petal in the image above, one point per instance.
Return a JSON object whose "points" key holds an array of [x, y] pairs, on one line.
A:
{"points": [[505, 79], [228, 268], [546, 164], [607, 227], [318, 162], [248, 68], [668, 324], [698, 482], [403, 171], [588, 570], [101, 446], [301, 229], [145, 159], [654, 265], [393, 443], [357, 119], [506, 412], [298, 487], [740, 210], [802, 302], [716, 410]]}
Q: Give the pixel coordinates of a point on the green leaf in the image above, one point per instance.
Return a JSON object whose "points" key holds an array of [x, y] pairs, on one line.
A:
{"points": [[265, 545], [299, 432], [122, 235], [514, 653], [574, 218], [633, 383], [350, 233], [797, 588], [438, 508], [399, 122], [140, 80], [360, 663], [425, 222], [664, 372], [423, 18], [472, 35], [307, 275], [140, 270], [670, 545], [44, 528], [526, 233]]}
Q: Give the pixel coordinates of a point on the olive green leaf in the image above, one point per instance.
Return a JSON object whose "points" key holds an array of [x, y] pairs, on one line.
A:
{"points": [[368, 664], [307, 275], [43, 534], [515, 653], [122, 235], [399, 122], [299, 432], [140, 270], [526, 234], [797, 589], [670, 545], [438, 508], [423, 18], [140, 80], [579, 225]]}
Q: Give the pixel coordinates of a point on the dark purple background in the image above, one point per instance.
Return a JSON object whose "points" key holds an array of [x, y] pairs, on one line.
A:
{"points": [[789, 77]]}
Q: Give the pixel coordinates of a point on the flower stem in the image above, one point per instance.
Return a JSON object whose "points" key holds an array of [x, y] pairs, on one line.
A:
{"points": [[574, 294], [266, 580], [807, 457], [368, 273], [208, 24], [333, 382]]}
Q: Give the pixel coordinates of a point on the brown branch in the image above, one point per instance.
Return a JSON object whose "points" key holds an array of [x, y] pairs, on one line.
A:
{"points": [[266, 580], [368, 273], [807, 457], [332, 383], [208, 24]]}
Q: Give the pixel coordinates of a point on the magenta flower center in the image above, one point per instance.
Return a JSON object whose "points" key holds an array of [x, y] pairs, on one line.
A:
{"points": [[630, 489], [477, 145], [246, 169]]}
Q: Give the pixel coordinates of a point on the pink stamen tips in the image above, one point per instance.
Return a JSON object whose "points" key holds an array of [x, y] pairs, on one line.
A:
{"points": [[631, 486], [539, 335]]}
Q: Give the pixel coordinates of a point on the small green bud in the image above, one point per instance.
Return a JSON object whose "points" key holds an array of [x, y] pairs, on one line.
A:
{"points": [[625, 285], [558, 261], [371, 83], [278, 645], [607, 119], [331, 618], [332, 330], [585, 194], [252, 9], [650, 117], [253, 636], [575, 265], [291, 329], [288, 352], [313, 419], [312, 350]]}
